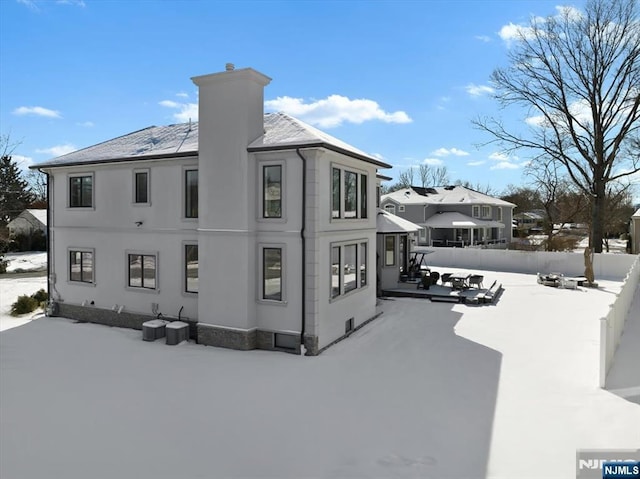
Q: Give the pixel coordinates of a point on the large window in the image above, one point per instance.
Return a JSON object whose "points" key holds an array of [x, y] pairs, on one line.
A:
{"points": [[81, 191], [389, 250], [348, 194], [191, 268], [272, 274], [272, 191], [142, 270], [81, 266], [191, 193], [348, 268], [141, 187], [475, 211]]}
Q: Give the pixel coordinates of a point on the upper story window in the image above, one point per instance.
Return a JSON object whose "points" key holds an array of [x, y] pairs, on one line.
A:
{"points": [[191, 193], [499, 213], [81, 191], [486, 211], [475, 211], [348, 194], [391, 208], [272, 191], [378, 195], [141, 186]]}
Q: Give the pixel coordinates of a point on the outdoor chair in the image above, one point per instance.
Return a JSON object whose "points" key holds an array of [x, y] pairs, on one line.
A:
{"points": [[458, 283], [445, 278], [476, 280]]}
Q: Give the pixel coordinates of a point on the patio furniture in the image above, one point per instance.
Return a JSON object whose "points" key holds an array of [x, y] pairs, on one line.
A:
{"points": [[445, 278], [459, 281], [476, 280]]}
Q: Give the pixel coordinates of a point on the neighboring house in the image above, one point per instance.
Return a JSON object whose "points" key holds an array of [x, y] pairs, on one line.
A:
{"points": [[529, 222], [259, 230], [634, 230], [28, 222], [453, 215], [394, 248]]}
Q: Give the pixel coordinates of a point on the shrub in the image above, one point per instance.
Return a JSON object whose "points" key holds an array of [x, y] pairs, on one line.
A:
{"points": [[24, 304], [3, 264], [40, 296]]}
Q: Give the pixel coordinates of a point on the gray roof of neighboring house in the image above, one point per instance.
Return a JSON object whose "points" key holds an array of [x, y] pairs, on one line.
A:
{"points": [[459, 220], [445, 195], [281, 132], [636, 214], [38, 214]]}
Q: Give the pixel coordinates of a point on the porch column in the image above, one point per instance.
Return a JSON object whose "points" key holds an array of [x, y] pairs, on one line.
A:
{"points": [[471, 236]]}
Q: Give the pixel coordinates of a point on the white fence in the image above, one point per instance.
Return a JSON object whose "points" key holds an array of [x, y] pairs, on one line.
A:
{"points": [[612, 326]]}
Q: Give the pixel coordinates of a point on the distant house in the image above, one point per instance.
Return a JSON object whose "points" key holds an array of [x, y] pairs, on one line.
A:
{"points": [[529, 222], [258, 229], [29, 229], [453, 215], [634, 230]]}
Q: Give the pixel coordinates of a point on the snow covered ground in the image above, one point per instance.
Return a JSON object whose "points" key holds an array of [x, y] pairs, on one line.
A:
{"points": [[431, 390], [11, 287], [26, 262]]}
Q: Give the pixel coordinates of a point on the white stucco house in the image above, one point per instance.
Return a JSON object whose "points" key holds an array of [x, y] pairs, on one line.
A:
{"points": [[257, 229], [634, 232], [453, 216]]}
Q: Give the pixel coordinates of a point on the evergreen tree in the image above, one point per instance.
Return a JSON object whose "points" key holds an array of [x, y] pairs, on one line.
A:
{"points": [[15, 194]]}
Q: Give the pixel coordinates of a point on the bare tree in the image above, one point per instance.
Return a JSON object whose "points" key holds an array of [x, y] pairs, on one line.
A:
{"points": [[479, 187], [578, 76], [433, 176], [406, 178]]}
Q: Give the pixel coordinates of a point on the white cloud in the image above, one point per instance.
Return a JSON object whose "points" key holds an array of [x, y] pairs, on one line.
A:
{"points": [[23, 162], [506, 162], [379, 156], [77, 3], [505, 165], [447, 152], [432, 161], [31, 4], [188, 111], [58, 150], [479, 90], [86, 124], [182, 95], [511, 32], [37, 111], [475, 163], [483, 38], [335, 110]]}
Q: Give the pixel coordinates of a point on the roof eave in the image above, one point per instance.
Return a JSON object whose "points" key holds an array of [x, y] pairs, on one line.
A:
{"points": [[164, 156]]}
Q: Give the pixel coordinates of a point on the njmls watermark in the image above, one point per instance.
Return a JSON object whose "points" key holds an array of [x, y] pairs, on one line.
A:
{"points": [[607, 463]]}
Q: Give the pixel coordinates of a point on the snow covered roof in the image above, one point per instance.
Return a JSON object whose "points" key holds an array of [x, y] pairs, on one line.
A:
{"points": [[40, 215], [281, 132], [636, 214], [390, 223], [459, 220], [447, 195]]}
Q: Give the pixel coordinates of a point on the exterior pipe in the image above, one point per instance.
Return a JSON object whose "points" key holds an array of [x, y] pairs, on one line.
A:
{"points": [[304, 244], [49, 245]]}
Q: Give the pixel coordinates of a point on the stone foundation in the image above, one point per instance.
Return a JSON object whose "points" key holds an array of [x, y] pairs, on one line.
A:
{"points": [[210, 335], [107, 317]]}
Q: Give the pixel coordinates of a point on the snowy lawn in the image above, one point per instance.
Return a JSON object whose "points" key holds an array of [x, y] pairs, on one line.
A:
{"points": [[430, 390], [10, 288], [26, 262]]}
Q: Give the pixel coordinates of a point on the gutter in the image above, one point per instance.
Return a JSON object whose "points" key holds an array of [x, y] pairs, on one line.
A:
{"points": [[303, 326]]}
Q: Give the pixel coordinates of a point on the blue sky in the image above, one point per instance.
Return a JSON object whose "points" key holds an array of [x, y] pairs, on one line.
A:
{"points": [[400, 80]]}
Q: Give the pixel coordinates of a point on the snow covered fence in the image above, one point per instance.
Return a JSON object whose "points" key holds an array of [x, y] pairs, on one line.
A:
{"points": [[611, 266], [612, 325]]}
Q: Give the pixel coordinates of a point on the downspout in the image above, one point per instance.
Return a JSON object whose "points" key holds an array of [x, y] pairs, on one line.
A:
{"points": [[49, 245], [304, 244]]}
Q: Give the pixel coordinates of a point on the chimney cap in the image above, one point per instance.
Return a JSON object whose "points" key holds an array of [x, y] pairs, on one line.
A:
{"points": [[229, 67]]}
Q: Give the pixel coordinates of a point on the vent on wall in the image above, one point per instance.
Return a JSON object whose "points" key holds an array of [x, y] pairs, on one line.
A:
{"points": [[285, 341], [348, 325]]}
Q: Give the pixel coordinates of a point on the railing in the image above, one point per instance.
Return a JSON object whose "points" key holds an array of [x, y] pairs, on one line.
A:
{"points": [[612, 325], [438, 243]]}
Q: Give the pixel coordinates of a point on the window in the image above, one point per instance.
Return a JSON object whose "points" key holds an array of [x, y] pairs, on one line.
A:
{"points": [[335, 193], [422, 235], [391, 208], [142, 270], [363, 264], [81, 191], [141, 187], [272, 191], [286, 341], [400, 208], [486, 211], [191, 268], [191, 193], [378, 195], [81, 266], [475, 211], [272, 274], [348, 194], [389, 250], [348, 268], [499, 213]]}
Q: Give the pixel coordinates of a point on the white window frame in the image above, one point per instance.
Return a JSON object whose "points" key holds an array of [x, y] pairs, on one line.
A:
{"points": [[390, 208], [154, 290], [341, 268], [283, 188], [137, 171], [395, 250], [499, 213], [185, 291], [358, 210], [283, 276], [400, 208], [475, 211], [486, 211], [73, 249], [422, 234], [183, 189], [93, 190]]}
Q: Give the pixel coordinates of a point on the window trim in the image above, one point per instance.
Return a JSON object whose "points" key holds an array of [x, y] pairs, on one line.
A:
{"points": [[358, 243], [390, 206], [185, 283], [283, 276], [283, 191], [74, 249], [385, 251], [489, 211], [134, 199], [362, 206], [127, 271], [88, 174], [475, 211], [401, 209], [183, 199], [499, 213]]}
